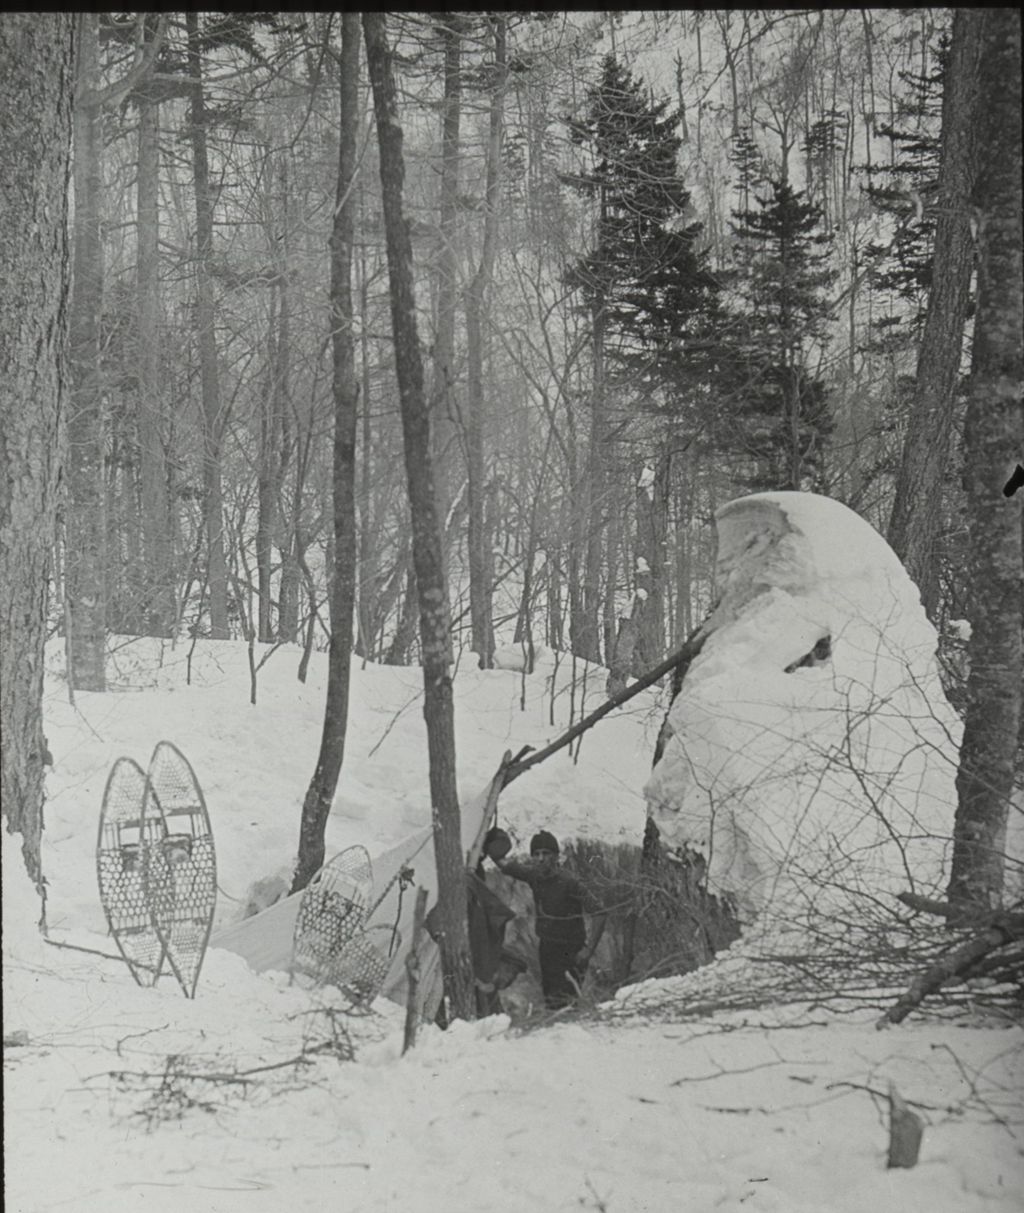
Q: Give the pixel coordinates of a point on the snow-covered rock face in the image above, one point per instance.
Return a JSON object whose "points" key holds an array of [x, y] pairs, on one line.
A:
{"points": [[812, 753]]}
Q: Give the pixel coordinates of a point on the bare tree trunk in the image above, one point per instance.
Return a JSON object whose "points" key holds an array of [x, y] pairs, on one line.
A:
{"points": [[444, 409], [320, 795], [294, 437], [428, 556], [595, 512], [994, 439], [213, 421], [652, 531], [369, 562], [481, 572], [397, 652], [268, 486], [86, 516], [556, 623], [36, 87], [158, 559], [917, 509]]}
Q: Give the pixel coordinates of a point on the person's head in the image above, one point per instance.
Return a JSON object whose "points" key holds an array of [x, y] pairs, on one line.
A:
{"points": [[544, 850]]}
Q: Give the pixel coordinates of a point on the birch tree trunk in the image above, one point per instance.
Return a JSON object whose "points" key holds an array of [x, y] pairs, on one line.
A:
{"points": [[994, 439], [916, 519], [320, 795], [427, 540], [36, 88]]}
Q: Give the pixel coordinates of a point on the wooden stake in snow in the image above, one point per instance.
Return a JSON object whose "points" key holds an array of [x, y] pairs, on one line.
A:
{"points": [[905, 1132], [412, 970]]}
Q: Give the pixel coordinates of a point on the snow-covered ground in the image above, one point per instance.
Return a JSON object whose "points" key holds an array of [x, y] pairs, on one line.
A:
{"points": [[137, 1099]]}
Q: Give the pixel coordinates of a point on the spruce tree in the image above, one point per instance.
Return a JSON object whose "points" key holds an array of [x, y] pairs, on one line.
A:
{"points": [[644, 272], [642, 285], [900, 268], [780, 417]]}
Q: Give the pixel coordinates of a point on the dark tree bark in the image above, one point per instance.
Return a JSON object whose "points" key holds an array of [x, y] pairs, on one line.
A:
{"points": [[36, 88], [427, 540], [209, 371], [481, 572], [994, 439], [320, 795], [86, 567], [917, 509]]}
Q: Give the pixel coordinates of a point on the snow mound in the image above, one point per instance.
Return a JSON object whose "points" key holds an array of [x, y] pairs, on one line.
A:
{"points": [[812, 752]]}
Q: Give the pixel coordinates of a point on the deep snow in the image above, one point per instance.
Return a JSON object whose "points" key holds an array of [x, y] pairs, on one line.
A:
{"points": [[787, 768], [261, 1095]]}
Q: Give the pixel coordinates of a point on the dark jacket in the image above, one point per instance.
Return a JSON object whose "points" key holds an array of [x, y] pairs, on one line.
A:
{"points": [[561, 902]]}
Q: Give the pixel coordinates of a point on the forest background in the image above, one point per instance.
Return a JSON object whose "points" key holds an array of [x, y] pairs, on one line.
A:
{"points": [[661, 259]]}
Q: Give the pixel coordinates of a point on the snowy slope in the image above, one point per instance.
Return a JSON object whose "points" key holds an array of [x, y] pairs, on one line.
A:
{"points": [[821, 782], [254, 761], [259, 1095]]}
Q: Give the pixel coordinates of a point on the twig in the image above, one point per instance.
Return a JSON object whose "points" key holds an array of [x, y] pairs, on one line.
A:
{"points": [[74, 947]]}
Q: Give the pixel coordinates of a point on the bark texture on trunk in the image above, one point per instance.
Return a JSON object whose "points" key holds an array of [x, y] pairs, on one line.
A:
{"points": [[36, 88], [994, 438], [209, 371], [428, 556], [444, 410], [158, 562], [481, 571], [320, 795], [916, 520], [86, 562]]}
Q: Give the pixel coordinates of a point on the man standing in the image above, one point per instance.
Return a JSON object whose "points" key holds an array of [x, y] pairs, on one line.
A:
{"points": [[561, 903]]}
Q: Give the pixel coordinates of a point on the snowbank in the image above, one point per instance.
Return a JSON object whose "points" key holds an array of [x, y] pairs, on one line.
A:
{"points": [[257, 1096], [812, 755]]}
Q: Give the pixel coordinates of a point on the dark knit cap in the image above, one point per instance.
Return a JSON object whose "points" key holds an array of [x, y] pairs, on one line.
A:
{"points": [[543, 841]]}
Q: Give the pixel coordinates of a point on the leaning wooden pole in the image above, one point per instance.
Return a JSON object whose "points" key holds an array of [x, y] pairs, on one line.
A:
{"points": [[682, 657], [412, 972]]}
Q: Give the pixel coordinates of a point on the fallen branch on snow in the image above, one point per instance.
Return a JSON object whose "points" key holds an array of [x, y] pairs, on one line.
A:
{"points": [[996, 932]]}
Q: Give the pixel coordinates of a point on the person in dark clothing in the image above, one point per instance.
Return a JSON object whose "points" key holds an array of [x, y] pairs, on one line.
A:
{"points": [[561, 902], [494, 966]]}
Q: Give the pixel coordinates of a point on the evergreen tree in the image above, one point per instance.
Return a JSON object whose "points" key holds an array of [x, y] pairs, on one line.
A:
{"points": [[643, 284], [644, 272], [746, 158], [780, 416], [900, 269]]}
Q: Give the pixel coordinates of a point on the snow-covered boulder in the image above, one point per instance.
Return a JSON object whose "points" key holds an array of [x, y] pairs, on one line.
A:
{"points": [[812, 753]]}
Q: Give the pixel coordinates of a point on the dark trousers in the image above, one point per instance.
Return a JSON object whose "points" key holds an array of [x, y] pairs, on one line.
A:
{"points": [[557, 966]]}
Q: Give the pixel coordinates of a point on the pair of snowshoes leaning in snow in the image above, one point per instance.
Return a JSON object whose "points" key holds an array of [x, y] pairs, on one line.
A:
{"points": [[333, 943], [156, 867]]}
